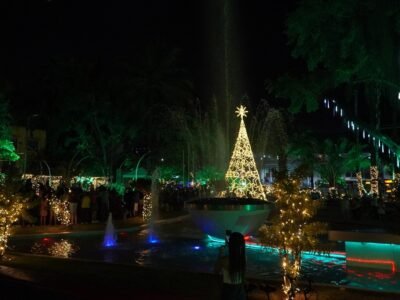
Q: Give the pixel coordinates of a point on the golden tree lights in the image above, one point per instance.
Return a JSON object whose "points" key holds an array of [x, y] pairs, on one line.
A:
{"points": [[147, 207], [292, 232], [242, 174], [60, 208], [374, 180], [10, 209], [62, 248], [360, 185]]}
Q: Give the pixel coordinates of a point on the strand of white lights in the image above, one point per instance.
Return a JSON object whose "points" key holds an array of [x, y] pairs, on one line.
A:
{"points": [[10, 210], [242, 175], [147, 207], [60, 208], [62, 248], [381, 144], [374, 180], [360, 185]]}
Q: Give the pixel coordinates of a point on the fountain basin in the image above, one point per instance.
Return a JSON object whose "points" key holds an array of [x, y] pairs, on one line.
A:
{"points": [[214, 216]]}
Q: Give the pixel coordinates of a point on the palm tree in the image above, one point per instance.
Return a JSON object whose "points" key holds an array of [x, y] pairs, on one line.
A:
{"points": [[304, 149], [337, 158]]}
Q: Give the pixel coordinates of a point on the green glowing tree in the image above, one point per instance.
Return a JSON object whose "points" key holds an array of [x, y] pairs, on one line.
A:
{"points": [[242, 174], [293, 230], [7, 148]]}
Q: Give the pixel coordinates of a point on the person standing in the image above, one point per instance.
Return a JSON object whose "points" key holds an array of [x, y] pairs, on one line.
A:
{"points": [[233, 267], [44, 207]]}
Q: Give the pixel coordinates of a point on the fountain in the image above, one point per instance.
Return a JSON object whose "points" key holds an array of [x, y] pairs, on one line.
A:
{"points": [[246, 208], [151, 201], [110, 239]]}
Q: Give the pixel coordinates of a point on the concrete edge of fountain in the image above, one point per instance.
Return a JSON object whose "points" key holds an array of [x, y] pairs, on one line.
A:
{"points": [[96, 232], [249, 278], [363, 236]]}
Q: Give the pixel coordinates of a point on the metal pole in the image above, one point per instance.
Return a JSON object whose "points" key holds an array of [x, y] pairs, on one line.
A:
{"points": [[137, 165], [48, 168]]}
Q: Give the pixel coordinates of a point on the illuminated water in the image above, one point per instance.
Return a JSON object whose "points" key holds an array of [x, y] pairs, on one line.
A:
{"points": [[181, 248], [110, 238]]}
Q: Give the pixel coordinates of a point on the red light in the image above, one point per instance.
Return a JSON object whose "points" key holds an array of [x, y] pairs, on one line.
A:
{"points": [[247, 237], [374, 261]]}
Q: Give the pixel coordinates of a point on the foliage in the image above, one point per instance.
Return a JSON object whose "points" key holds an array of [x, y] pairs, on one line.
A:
{"points": [[349, 44], [277, 137], [335, 158], [103, 109], [293, 232], [7, 150], [203, 135], [5, 119], [11, 205], [209, 173]]}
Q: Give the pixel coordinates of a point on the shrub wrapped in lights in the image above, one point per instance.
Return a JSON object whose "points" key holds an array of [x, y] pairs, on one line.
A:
{"points": [[147, 207], [292, 232], [61, 209], [62, 248], [10, 209]]}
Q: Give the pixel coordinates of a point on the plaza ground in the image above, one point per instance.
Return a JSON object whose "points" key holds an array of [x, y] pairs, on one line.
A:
{"points": [[44, 277]]}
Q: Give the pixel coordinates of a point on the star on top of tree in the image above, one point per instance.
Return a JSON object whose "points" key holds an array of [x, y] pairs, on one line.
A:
{"points": [[241, 111]]}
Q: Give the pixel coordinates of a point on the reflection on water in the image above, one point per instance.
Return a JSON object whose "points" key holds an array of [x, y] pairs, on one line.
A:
{"points": [[199, 255]]}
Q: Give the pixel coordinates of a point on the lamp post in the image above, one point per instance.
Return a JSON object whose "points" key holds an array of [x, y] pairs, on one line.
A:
{"points": [[119, 177], [137, 165], [28, 134]]}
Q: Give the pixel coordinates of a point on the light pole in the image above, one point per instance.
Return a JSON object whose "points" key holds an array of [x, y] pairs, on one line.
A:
{"points": [[119, 177], [28, 134], [137, 165]]}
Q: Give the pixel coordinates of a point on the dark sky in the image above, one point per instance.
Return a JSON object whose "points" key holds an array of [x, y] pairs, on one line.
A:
{"points": [[35, 31]]}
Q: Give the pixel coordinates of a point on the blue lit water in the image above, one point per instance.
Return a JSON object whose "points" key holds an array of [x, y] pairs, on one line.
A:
{"points": [[166, 247]]}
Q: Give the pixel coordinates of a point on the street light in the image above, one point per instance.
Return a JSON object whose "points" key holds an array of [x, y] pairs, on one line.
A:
{"points": [[137, 165]]}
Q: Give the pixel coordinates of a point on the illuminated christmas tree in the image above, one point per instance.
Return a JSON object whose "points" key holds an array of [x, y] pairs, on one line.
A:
{"points": [[293, 231], [242, 174]]}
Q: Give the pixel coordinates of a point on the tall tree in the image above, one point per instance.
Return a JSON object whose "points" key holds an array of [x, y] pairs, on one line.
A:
{"points": [[335, 158], [351, 51], [277, 138], [7, 148]]}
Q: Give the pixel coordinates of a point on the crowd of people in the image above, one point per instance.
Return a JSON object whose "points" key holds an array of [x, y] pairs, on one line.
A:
{"points": [[90, 204]]}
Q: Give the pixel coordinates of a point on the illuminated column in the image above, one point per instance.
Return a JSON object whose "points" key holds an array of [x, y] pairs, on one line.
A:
{"points": [[374, 180], [10, 210], [147, 207], [242, 174], [360, 185]]}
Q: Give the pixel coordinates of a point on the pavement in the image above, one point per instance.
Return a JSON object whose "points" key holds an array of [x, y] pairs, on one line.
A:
{"points": [[44, 277]]}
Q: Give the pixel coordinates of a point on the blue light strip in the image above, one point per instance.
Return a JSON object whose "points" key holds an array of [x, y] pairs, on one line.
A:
{"points": [[252, 245]]}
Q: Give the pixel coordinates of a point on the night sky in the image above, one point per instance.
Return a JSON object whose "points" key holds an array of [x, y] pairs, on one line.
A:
{"points": [[34, 32]]}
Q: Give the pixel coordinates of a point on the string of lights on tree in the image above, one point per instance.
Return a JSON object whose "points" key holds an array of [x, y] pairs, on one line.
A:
{"points": [[62, 248], [147, 207], [60, 208], [360, 184], [293, 232], [381, 142], [10, 209], [242, 175]]}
